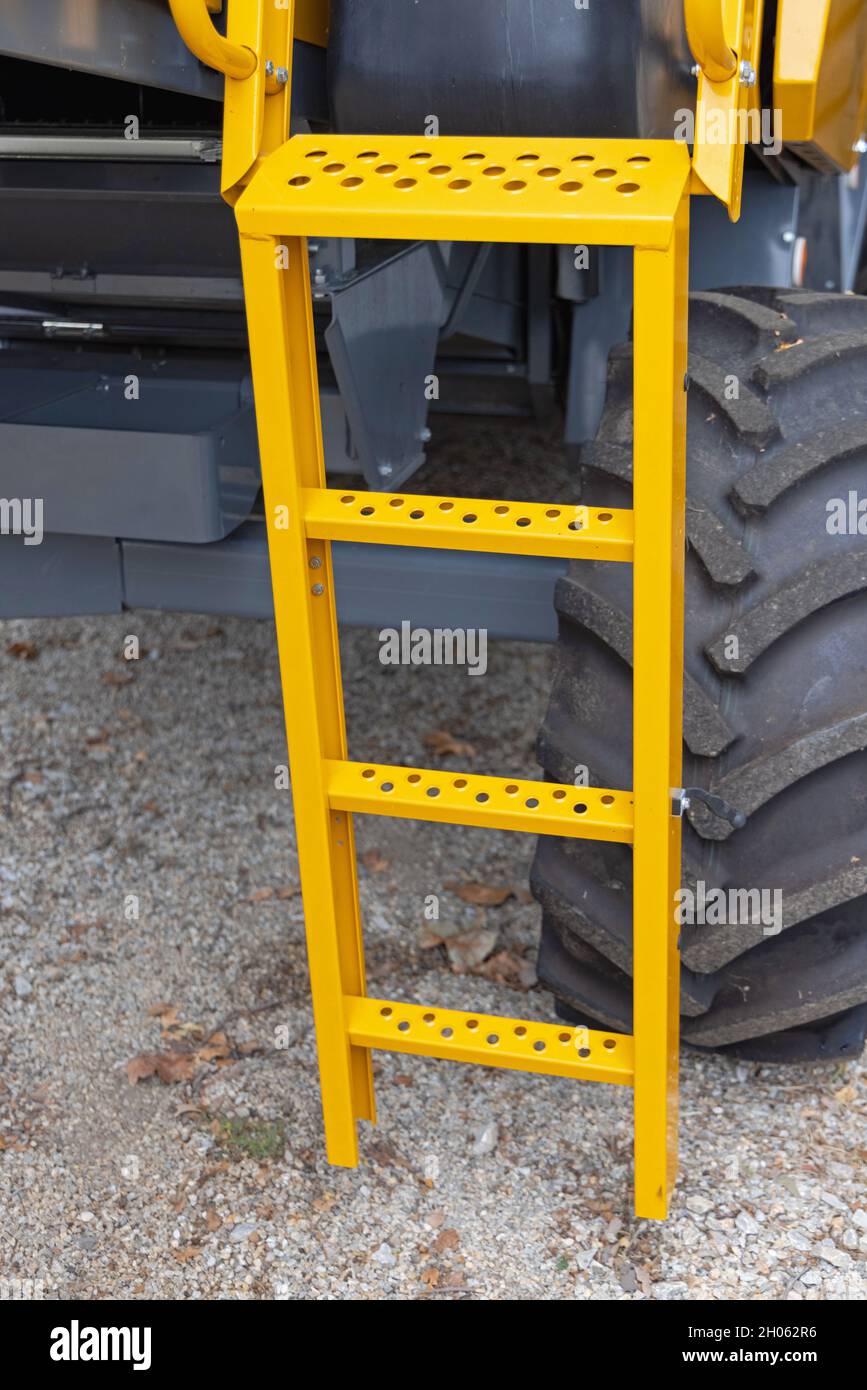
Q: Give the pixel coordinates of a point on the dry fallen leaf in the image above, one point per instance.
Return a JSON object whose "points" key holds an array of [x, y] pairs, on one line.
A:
{"points": [[431, 1277], [160, 1010], [170, 1067], [212, 1220], [784, 347], [447, 1240], [375, 861], [445, 745], [141, 1067], [506, 968], [217, 1045], [189, 1252], [118, 678], [486, 895], [24, 651]]}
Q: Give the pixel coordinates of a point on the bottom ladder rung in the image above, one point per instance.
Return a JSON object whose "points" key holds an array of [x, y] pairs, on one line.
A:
{"points": [[490, 1041]]}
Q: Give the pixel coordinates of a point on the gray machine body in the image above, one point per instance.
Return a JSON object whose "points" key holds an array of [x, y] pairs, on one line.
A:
{"points": [[125, 397]]}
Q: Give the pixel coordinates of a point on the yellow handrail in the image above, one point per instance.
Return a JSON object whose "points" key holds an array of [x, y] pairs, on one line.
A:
{"points": [[706, 32], [198, 33]]}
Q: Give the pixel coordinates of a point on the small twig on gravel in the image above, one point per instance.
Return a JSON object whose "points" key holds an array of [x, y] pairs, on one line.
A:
{"points": [[10, 787], [64, 820], [239, 1013]]}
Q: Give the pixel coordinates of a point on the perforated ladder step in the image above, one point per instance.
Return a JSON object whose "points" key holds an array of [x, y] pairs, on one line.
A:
{"points": [[613, 192], [567, 530], [491, 1041], [500, 803]]}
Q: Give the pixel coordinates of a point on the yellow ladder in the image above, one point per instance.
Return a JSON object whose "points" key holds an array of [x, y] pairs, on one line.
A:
{"points": [[569, 192]]}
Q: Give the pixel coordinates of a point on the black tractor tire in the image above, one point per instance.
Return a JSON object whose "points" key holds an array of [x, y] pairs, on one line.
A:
{"points": [[776, 722]]}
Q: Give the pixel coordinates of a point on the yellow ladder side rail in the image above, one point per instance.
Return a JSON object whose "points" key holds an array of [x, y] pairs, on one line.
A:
{"points": [[283, 353], [659, 485]]}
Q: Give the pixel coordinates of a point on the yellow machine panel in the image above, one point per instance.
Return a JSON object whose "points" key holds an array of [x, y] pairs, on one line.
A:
{"points": [[820, 79]]}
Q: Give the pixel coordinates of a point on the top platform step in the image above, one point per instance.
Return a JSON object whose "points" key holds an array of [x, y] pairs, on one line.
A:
{"points": [[602, 192]]}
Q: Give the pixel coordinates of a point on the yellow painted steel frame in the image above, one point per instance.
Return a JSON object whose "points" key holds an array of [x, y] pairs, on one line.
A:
{"points": [[632, 193], [302, 520]]}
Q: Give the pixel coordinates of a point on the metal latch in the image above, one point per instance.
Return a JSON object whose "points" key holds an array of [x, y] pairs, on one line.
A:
{"points": [[683, 798]]}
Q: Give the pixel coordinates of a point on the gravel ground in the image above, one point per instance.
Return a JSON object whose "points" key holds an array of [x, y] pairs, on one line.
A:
{"points": [[149, 915]]}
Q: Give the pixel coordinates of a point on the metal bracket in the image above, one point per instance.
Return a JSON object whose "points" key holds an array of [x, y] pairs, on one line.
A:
{"points": [[256, 58], [725, 38]]}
